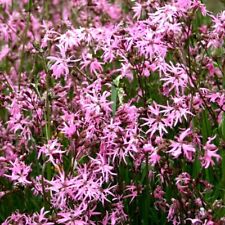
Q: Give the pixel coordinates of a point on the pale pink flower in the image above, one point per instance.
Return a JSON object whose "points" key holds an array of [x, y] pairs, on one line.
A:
{"points": [[19, 172], [218, 33], [180, 146], [71, 38], [208, 222], [40, 218], [156, 120], [52, 150], [6, 3], [4, 52], [194, 221], [60, 65], [164, 14], [210, 153], [176, 79], [126, 70], [101, 166], [154, 157], [70, 124], [137, 8], [177, 110]]}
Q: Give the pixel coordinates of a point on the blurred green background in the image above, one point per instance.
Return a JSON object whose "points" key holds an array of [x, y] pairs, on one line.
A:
{"points": [[215, 6]]}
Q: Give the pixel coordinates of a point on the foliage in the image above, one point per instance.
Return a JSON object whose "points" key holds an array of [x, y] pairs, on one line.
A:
{"points": [[111, 112]]}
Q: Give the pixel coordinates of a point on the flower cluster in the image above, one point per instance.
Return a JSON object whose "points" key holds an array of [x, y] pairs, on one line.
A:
{"points": [[111, 112]]}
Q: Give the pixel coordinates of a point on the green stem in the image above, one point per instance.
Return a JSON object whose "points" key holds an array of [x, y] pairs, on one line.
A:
{"points": [[24, 40]]}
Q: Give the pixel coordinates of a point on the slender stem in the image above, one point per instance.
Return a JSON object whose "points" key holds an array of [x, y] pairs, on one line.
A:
{"points": [[82, 73], [24, 40], [47, 102]]}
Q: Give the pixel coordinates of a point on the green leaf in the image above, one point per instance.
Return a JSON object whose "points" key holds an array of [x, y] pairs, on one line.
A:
{"points": [[222, 126], [205, 126], [196, 169], [114, 99]]}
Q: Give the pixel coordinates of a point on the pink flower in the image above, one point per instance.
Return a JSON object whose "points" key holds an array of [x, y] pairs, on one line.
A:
{"points": [[156, 120], [137, 8], [52, 151], [4, 52], [72, 217], [181, 146], [173, 210], [194, 221], [39, 218], [133, 191], [126, 70], [60, 65], [101, 166], [176, 79], [6, 3], [154, 157], [182, 182], [114, 12], [19, 172], [127, 147], [94, 65], [210, 153], [158, 193], [60, 187], [17, 218], [95, 104], [218, 33], [71, 38], [69, 126], [178, 110]]}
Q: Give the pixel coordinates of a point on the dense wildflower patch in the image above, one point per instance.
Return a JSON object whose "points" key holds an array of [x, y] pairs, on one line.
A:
{"points": [[111, 112]]}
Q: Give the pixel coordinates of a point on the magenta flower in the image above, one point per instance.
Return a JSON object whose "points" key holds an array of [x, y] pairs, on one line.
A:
{"points": [[158, 193]]}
